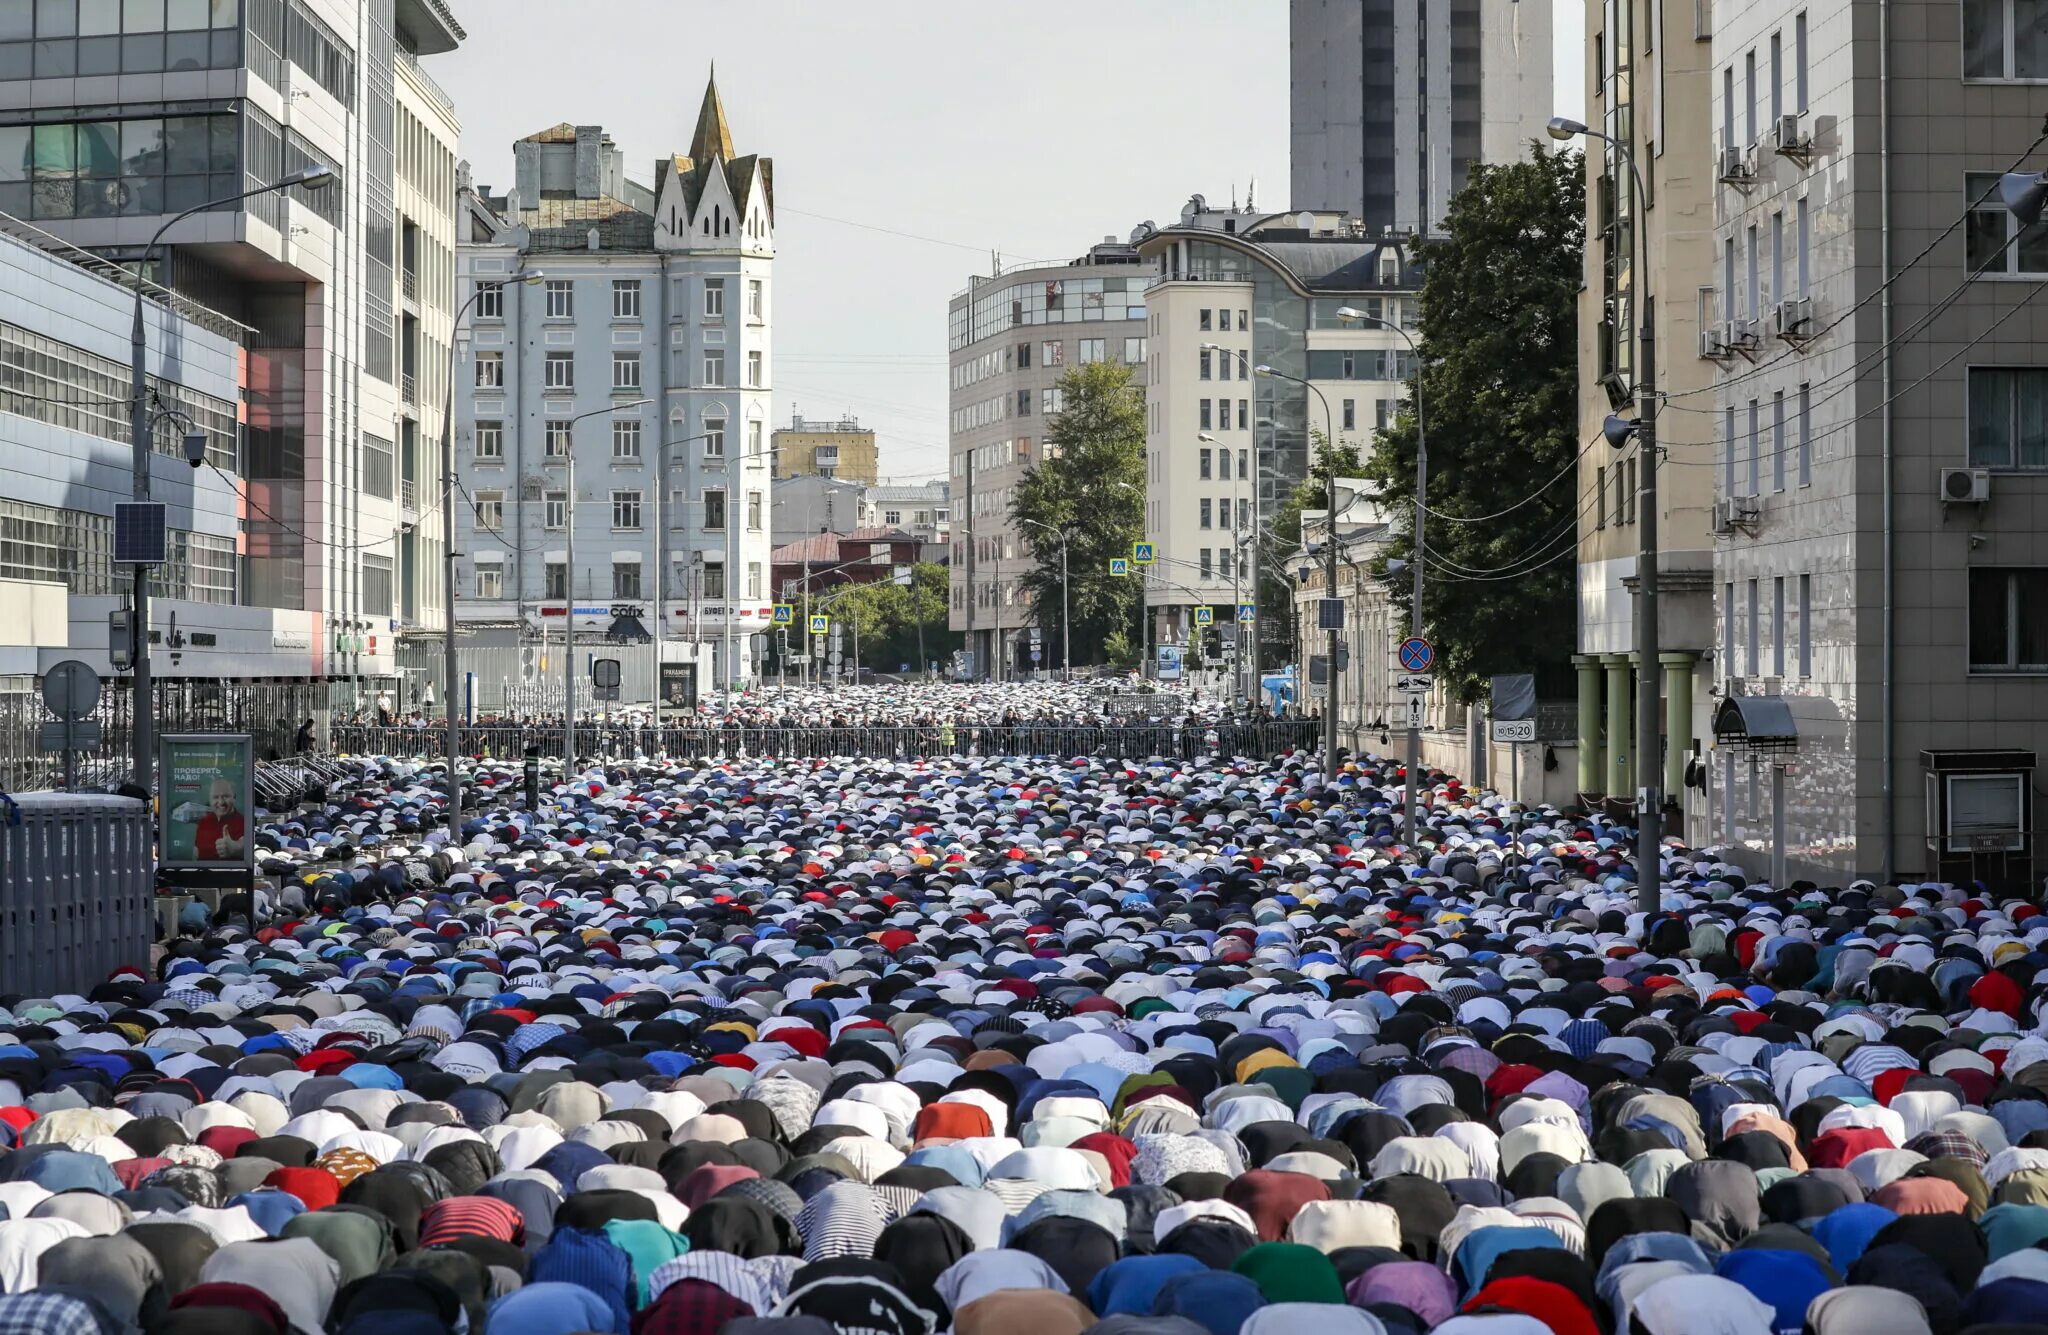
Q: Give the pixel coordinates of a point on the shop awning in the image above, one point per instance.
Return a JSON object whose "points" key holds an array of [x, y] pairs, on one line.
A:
{"points": [[1755, 723], [626, 630]]}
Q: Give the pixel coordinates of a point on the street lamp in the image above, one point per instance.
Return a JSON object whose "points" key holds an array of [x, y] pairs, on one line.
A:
{"points": [[1329, 573], [569, 583], [1414, 755], [1066, 618], [1258, 501], [526, 278], [1649, 683], [140, 422]]}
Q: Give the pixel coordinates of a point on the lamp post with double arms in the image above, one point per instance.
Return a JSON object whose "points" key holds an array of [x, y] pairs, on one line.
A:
{"points": [[569, 583], [1329, 571], [1066, 617], [1649, 672], [140, 422], [525, 278]]}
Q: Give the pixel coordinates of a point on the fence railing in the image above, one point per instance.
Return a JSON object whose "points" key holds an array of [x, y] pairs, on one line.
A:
{"points": [[1262, 738], [270, 714]]}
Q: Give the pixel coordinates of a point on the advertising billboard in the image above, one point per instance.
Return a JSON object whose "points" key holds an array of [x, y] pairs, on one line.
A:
{"points": [[208, 803]]}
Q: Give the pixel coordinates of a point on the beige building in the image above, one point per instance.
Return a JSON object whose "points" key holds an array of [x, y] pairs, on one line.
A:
{"points": [[1010, 338], [1224, 446], [1880, 472], [1648, 89], [836, 449]]}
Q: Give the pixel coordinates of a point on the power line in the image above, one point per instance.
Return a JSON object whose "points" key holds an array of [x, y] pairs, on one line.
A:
{"points": [[891, 231]]}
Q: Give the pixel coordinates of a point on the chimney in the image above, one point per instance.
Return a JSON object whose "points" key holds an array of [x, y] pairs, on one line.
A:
{"points": [[589, 161], [526, 172]]}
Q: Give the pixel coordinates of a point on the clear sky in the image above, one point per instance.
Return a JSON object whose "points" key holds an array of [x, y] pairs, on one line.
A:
{"points": [[911, 138]]}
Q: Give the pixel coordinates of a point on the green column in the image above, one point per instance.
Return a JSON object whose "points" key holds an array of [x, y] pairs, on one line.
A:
{"points": [[1677, 719], [1590, 760], [1621, 751]]}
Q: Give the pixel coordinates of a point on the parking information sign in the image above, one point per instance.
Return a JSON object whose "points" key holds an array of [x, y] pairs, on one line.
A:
{"points": [[821, 624], [785, 615], [1141, 553]]}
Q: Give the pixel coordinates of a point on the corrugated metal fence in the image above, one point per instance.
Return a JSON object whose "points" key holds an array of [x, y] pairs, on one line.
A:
{"points": [[76, 899]]}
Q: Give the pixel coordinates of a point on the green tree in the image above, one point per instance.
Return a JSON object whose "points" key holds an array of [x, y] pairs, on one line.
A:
{"points": [[1089, 484], [1499, 384]]}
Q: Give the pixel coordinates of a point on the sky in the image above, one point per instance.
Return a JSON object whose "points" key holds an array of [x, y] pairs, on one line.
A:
{"points": [[911, 139]]}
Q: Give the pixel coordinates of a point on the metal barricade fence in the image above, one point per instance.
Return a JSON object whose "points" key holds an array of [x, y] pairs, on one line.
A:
{"points": [[1263, 738], [76, 898], [269, 713]]}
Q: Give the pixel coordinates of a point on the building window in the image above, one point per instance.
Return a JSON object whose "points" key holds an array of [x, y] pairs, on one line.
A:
{"points": [[490, 582], [490, 370], [490, 510], [1728, 644], [1244, 415], [561, 370], [1207, 418], [1052, 399], [1778, 626], [625, 298], [714, 298], [754, 580], [555, 580], [558, 430], [1023, 403], [1023, 356], [561, 299], [490, 303], [714, 367], [714, 579], [1094, 350], [754, 450], [1600, 496], [1223, 562], [754, 512], [1806, 626], [2008, 417], [626, 441], [1205, 460], [1243, 467], [2007, 631], [714, 437], [754, 370], [714, 511], [757, 299], [1053, 354], [625, 579], [1755, 629], [1992, 229], [2005, 39], [489, 443], [625, 370], [626, 511], [1134, 351], [1205, 512], [1206, 572], [1205, 321], [1223, 465], [554, 510], [1207, 369], [1351, 414], [1778, 441], [1753, 475]]}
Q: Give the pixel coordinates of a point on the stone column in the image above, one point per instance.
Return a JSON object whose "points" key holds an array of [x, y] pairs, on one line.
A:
{"points": [[1677, 719], [1592, 765], [1621, 751]]}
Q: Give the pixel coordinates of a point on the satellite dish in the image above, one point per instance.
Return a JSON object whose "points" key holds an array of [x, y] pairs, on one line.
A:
{"points": [[1306, 221]]}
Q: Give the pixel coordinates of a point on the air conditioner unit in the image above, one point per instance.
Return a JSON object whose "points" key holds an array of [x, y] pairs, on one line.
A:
{"points": [[1792, 320], [1965, 486], [1786, 138], [1736, 168], [1742, 336], [1714, 342], [1733, 513]]}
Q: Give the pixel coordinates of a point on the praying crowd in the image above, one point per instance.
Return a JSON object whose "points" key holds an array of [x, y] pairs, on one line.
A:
{"points": [[1027, 1045]]}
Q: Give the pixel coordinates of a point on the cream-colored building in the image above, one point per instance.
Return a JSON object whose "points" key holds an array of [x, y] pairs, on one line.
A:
{"points": [[1224, 446], [840, 448], [1648, 89]]}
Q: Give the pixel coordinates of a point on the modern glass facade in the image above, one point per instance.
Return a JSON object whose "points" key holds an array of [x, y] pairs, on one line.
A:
{"points": [[64, 39], [1062, 301]]}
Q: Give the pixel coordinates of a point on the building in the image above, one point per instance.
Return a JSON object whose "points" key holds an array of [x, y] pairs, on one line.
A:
{"points": [[1881, 484], [1678, 260], [922, 509], [639, 366], [1236, 291], [836, 449], [1010, 337], [808, 504], [825, 561], [113, 121], [1392, 101]]}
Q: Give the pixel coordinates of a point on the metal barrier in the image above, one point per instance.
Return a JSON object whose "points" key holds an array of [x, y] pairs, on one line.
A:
{"points": [[1261, 738], [76, 892], [269, 713]]}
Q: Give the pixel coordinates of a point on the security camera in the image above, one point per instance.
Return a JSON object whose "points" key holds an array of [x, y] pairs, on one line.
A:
{"points": [[195, 448]]}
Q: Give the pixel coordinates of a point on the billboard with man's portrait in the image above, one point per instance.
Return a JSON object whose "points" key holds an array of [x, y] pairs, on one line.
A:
{"points": [[208, 805]]}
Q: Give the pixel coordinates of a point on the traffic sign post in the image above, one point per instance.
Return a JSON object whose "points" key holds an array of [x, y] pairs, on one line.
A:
{"points": [[1415, 703], [1414, 685], [1247, 612], [1416, 655], [821, 624], [1514, 730], [785, 614], [71, 689]]}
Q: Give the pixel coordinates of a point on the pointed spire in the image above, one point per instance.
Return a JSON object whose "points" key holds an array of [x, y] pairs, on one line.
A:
{"points": [[712, 137]]}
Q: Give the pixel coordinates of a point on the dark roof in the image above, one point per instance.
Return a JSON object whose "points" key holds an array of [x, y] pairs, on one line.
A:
{"points": [[564, 224]]}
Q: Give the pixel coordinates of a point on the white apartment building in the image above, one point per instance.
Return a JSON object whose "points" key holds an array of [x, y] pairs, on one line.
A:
{"points": [[1224, 446], [644, 353]]}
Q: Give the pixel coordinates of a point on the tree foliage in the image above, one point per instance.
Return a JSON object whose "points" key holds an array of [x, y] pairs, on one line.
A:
{"points": [[1283, 542], [1499, 386], [884, 619], [1089, 484]]}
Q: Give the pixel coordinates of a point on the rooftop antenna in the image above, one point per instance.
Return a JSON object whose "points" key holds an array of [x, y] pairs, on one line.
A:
{"points": [[1233, 196], [1251, 191]]}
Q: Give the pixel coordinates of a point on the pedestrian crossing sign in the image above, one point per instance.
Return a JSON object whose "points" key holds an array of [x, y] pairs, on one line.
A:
{"points": [[1247, 611], [1119, 567], [1141, 553], [821, 625], [785, 615], [1205, 616]]}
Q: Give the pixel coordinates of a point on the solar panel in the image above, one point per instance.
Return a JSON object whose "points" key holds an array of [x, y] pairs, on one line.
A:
{"points": [[139, 533]]}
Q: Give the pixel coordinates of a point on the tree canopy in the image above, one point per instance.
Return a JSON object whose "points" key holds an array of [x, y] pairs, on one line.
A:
{"points": [[1499, 387]]}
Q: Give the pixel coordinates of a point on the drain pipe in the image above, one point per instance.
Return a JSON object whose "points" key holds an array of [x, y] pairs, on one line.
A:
{"points": [[1884, 140]]}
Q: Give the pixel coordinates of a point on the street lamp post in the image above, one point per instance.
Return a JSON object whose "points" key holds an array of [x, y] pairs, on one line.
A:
{"points": [[569, 584], [1330, 692], [1258, 456], [139, 423], [1413, 758], [661, 563], [1649, 683], [1066, 617], [526, 278]]}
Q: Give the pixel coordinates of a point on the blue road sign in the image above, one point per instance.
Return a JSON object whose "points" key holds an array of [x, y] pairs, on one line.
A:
{"points": [[1119, 566], [1416, 654], [1205, 616], [1247, 611], [821, 625], [1141, 553], [785, 615]]}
